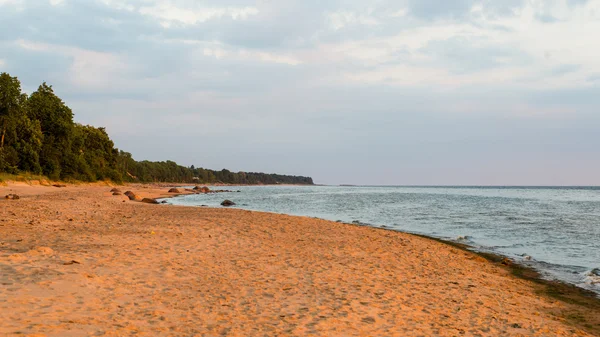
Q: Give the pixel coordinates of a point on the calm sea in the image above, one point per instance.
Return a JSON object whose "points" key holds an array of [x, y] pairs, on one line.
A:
{"points": [[553, 229]]}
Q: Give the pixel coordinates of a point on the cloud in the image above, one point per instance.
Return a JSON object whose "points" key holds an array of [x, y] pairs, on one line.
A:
{"points": [[547, 18], [317, 82], [565, 69], [169, 14], [594, 78], [472, 54], [341, 19], [432, 8]]}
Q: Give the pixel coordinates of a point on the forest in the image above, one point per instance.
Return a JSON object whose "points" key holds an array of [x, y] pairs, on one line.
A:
{"points": [[38, 136]]}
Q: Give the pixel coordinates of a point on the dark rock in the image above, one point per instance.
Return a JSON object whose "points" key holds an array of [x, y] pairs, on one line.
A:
{"points": [[174, 190], [164, 202], [150, 201], [117, 193], [59, 185], [12, 197], [132, 196], [228, 203], [506, 262], [115, 190]]}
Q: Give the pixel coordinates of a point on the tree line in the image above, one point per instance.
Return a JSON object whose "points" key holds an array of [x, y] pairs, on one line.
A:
{"points": [[38, 135]]}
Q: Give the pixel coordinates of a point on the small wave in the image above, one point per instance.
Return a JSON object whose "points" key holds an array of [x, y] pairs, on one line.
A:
{"points": [[516, 245], [592, 276], [526, 257], [360, 223]]}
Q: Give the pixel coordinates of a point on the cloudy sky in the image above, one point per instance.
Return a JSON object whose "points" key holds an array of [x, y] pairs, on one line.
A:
{"points": [[353, 91]]}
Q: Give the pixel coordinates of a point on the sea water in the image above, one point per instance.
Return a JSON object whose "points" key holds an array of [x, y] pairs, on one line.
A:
{"points": [[556, 230]]}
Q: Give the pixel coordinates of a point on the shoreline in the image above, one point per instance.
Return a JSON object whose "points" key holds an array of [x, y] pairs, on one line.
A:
{"points": [[489, 254], [571, 306], [585, 300]]}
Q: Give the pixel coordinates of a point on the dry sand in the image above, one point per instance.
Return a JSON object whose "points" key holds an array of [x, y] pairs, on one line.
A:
{"points": [[78, 261]]}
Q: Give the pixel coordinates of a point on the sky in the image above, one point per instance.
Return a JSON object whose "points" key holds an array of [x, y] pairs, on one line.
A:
{"points": [[403, 92]]}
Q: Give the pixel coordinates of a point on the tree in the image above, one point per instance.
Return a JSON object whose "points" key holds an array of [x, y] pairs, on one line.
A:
{"points": [[37, 134], [56, 121], [20, 138]]}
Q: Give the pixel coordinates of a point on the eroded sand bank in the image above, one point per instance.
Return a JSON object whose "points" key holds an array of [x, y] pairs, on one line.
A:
{"points": [[79, 261]]}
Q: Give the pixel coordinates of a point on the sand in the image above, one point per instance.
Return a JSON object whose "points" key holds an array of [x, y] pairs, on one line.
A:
{"points": [[78, 261]]}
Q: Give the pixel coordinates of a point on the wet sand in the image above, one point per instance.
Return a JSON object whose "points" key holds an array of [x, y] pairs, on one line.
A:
{"points": [[78, 261]]}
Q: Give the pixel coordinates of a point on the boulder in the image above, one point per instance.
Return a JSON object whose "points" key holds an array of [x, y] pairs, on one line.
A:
{"points": [[174, 190], [12, 197], [150, 201], [132, 196], [203, 189], [228, 203], [164, 202], [115, 190]]}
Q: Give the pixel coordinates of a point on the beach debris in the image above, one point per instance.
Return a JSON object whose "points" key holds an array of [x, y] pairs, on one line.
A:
{"points": [[59, 185], [115, 190], [174, 190], [12, 197], [71, 263], [150, 201], [228, 203]]}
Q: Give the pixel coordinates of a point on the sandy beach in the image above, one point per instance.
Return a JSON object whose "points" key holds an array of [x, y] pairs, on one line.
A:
{"points": [[78, 261]]}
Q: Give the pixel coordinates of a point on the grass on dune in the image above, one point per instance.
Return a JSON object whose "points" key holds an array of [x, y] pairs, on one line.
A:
{"points": [[24, 177]]}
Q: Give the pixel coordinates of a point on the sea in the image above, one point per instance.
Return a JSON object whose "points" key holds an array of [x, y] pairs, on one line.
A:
{"points": [[555, 230]]}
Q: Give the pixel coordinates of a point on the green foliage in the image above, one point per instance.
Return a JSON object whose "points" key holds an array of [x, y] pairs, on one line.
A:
{"points": [[38, 135], [146, 171]]}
